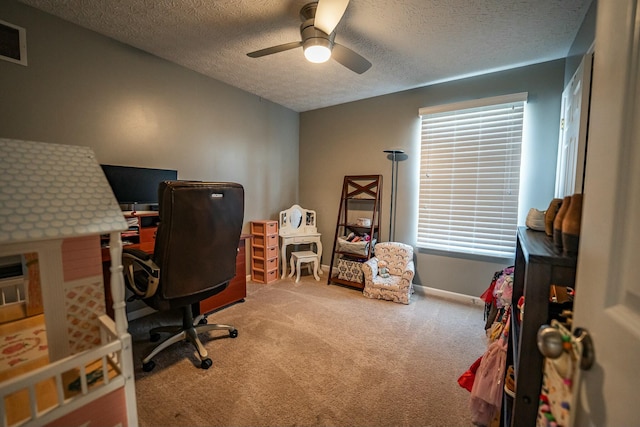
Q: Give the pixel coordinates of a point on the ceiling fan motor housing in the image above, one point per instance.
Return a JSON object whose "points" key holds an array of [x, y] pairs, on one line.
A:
{"points": [[310, 35], [308, 11]]}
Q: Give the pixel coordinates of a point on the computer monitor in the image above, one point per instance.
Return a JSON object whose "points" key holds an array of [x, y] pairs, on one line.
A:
{"points": [[133, 185]]}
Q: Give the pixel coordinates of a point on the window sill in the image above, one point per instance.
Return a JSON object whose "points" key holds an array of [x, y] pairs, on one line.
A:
{"points": [[463, 255]]}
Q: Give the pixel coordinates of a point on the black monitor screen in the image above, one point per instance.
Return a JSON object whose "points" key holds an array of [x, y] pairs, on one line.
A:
{"points": [[136, 185]]}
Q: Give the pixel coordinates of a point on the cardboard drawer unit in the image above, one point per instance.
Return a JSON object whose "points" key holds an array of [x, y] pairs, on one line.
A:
{"points": [[264, 251]]}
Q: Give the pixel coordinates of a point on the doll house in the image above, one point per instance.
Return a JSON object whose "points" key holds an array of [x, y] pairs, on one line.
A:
{"points": [[55, 203]]}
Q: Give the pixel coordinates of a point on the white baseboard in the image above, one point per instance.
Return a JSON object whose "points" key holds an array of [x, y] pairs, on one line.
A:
{"points": [[425, 290], [454, 296]]}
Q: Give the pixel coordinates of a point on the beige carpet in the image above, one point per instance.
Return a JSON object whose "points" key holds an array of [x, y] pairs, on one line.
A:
{"points": [[309, 354]]}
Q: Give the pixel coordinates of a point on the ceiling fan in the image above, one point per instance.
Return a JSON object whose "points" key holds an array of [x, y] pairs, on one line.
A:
{"points": [[319, 20]]}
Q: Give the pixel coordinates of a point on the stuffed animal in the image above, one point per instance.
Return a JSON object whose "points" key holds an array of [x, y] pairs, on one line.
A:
{"points": [[383, 271]]}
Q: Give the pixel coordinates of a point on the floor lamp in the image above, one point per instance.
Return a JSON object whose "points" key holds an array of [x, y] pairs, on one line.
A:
{"points": [[393, 153]]}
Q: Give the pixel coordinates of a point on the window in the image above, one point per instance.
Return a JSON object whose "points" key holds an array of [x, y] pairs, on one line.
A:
{"points": [[470, 176]]}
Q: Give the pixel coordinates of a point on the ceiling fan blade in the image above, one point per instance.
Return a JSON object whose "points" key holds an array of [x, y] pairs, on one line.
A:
{"points": [[350, 59], [329, 13], [274, 49]]}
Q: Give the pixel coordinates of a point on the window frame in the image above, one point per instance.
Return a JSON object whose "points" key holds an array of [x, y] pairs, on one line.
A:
{"points": [[454, 240]]}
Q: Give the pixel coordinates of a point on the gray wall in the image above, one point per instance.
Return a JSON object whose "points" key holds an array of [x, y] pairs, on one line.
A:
{"points": [[136, 109], [349, 139]]}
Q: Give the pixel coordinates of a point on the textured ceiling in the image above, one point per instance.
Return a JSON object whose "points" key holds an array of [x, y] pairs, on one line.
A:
{"points": [[410, 43]]}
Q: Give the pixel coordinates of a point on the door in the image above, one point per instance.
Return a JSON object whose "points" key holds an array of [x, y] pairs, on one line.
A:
{"points": [[608, 278], [572, 143]]}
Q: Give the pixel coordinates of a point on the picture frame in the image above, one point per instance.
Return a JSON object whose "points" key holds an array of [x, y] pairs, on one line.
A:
{"points": [[13, 43]]}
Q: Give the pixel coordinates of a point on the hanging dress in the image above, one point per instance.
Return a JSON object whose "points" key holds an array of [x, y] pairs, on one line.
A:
{"points": [[488, 385]]}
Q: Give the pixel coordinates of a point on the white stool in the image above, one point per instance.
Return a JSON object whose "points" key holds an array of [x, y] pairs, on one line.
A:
{"points": [[297, 258]]}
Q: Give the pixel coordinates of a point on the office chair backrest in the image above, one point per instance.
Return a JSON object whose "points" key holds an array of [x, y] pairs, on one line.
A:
{"points": [[197, 239]]}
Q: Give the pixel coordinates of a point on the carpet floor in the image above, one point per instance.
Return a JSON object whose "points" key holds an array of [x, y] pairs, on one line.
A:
{"points": [[308, 354]]}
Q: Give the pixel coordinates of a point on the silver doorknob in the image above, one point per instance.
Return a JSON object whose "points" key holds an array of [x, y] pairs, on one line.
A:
{"points": [[550, 342], [588, 351]]}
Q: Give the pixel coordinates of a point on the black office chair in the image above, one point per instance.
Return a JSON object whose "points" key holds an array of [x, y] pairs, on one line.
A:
{"points": [[194, 257]]}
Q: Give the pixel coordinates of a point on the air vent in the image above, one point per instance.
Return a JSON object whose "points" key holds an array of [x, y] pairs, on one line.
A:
{"points": [[13, 43]]}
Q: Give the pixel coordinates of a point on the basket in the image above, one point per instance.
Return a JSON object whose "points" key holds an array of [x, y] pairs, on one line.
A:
{"points": [[358, 248], [535, 219], [350, 270], [363, 222]]}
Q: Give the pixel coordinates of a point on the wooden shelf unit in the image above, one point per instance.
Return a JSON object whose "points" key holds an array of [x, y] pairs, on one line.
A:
{"points": [[361, 195], [539, 264], [264, 251]]}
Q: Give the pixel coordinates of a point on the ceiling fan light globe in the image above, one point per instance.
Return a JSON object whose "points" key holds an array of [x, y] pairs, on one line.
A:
{"points": [[317, 54]]}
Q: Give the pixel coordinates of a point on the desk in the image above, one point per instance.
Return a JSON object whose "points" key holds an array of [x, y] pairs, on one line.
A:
{"points": [[297, 239], [141, 234], [237, 289]]}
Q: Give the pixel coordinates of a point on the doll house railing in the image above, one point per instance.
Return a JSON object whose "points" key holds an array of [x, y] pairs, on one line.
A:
{"points": [[109, 358], [11, 291]]}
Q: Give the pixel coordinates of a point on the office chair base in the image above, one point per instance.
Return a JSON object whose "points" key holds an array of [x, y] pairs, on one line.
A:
{"points": [[187, 332], [148, 367]]}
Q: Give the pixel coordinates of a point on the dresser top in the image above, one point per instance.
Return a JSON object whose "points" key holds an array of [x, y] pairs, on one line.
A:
{"points": [[538, 247]]}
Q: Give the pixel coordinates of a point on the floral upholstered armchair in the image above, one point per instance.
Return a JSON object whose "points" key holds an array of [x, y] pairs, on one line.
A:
{"points": [[398, 286]]}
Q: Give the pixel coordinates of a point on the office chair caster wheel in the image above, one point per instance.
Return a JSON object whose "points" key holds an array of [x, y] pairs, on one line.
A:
{"points": [[206, 363], [203, 321], [148, 367], [154, 337], [233, 333]]}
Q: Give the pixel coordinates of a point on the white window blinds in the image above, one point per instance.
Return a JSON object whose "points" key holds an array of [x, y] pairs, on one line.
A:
{"points": [[470, 176]]}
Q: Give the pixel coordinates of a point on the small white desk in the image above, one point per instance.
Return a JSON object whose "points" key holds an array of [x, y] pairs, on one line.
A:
{"points": [[297, 227], [298, 240]]}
